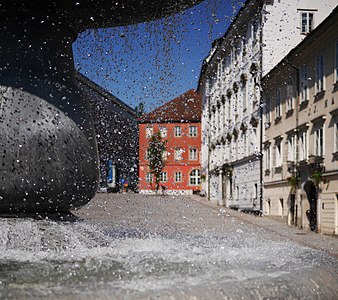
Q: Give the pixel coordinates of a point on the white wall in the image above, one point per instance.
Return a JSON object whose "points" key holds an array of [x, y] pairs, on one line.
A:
{"points": [[282, 27]]}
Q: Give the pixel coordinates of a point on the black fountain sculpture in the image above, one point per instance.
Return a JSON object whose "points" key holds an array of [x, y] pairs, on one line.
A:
{"points": [[48, 152]]}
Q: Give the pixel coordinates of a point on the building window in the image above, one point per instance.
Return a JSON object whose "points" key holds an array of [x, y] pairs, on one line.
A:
{"points": [[291, 147], [149, 177], [165, 155], [319, 141], [163, 131], [195, 177], [256, 190], [336, 62], [320, 80], [177, 131], [178, 176], [278, 154], [255, 26], [306, 22], [147, 154], [303, 89], [268, 158], [193, 131], [336, 137], [193, 154], [303, 145], [149, 132], [163, 177], [267, 111], [244, 95], [289, 95], [178, 154], [278, 108]]}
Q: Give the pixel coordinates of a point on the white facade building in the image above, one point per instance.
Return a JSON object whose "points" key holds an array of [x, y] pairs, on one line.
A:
{"points": [[230, 83]]}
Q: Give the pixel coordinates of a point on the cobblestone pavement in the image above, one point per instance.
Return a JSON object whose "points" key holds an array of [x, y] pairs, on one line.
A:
{"points": [[326, 243], [131, 246]]}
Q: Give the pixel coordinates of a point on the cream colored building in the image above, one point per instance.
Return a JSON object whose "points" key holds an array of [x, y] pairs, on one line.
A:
{"points": [[263, 32], [301, 132]]}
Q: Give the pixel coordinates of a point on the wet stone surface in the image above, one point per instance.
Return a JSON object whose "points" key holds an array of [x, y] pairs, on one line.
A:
{"points": [[146, 247]]}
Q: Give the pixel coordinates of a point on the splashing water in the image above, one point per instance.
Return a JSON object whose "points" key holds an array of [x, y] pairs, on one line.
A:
{"points": [[164, 254]]}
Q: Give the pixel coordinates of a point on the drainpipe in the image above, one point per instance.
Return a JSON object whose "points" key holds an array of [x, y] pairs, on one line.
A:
{"points": [[295, 171], [261, 115], [209, 154]]}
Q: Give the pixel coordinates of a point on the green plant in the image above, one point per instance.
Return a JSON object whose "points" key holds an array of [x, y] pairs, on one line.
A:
{"points": [[316, 178], [293, 181], [156, 148]]}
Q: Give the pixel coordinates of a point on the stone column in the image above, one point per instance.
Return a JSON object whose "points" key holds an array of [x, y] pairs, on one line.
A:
{"points": [[220, 183]]}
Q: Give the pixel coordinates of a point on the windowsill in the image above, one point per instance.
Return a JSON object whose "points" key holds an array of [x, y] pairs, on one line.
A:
{"points": [[278, 170], [289, 113], [303, 104], [278, 120], [319, 95]]}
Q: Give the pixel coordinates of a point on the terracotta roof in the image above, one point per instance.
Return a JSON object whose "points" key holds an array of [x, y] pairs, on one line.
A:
{"points": [[184, 108]]}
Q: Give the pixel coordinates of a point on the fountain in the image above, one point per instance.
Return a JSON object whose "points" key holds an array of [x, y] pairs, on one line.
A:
{"points": [[48, 152]]}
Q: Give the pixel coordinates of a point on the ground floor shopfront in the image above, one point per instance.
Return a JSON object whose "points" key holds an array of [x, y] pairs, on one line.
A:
{"points": [[312, 205]]}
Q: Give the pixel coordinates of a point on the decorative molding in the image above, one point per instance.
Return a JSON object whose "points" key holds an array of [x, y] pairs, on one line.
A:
{"points": [[319, 119]]}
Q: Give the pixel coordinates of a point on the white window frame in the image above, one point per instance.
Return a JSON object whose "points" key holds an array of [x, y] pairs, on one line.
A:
{"points": [[267, 110], [193, 131], [193, 153], [178, 176], [319, 142], [177, 131], [320, 73], [336, 63], [303, 89], [268, 158], [147, 154], [149, 177], [308, 26], [303, 145], [290, 99], [255, 30], [163, 131], [178, 154], [291, 147], [195, 177], [278, 109], [163, 177], [165, 155], [149, 132], [335, 137], [278, 153]]}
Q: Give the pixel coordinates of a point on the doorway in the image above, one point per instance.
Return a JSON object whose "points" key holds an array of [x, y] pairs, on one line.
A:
{"points": [[312, 196]]}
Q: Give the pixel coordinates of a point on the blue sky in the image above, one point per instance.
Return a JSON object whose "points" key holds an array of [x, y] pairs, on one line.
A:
{"points": [[157, 61]]}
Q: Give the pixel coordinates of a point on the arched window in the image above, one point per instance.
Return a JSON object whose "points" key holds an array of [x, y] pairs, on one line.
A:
{"points": [[195, 177]]}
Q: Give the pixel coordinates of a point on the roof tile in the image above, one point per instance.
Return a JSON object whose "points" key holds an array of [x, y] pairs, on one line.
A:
{"points": [[185, 108]]}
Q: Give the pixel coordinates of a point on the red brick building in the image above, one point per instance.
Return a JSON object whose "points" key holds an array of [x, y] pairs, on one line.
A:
{"points": [[179, 122]]}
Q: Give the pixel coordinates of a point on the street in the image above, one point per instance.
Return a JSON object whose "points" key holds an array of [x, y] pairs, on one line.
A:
{"points": [[130, 246]]}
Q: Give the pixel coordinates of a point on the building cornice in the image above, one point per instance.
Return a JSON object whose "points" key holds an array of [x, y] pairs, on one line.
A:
{"points": [[282, 182]]}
